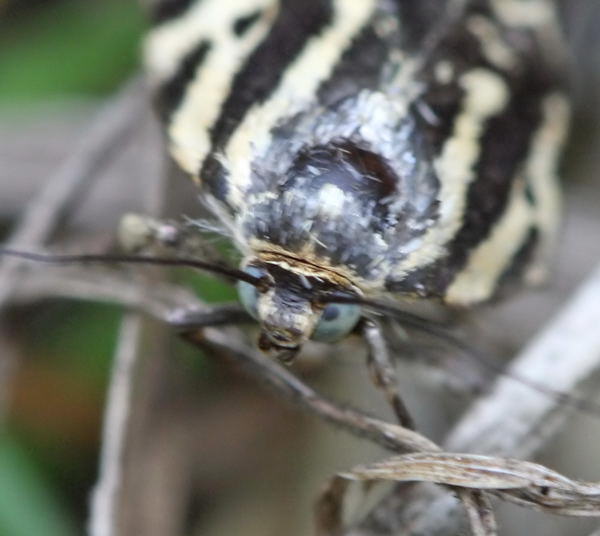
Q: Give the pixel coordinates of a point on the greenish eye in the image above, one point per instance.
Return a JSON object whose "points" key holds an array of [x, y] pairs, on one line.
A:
{"points": [[337, 320], [249, 293]]}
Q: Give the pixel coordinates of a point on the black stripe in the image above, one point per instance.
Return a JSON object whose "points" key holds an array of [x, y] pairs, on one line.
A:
{"points": [[294, 25], [170, 94], [518, 264], [418, 19], [165, 10], [462, 51], [359, 68], [243, 24], [505, 146]]}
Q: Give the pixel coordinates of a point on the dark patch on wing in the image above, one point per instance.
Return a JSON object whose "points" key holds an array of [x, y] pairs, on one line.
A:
{"points": [[418, 18], [444, 100], [242, 24], [170, 94], [519, 263], [215, 178], [359, 173], [359, 68], [165, 10]]}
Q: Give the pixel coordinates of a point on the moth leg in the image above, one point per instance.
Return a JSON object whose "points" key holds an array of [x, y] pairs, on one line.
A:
{"points": [[383, 373], [138, 232], [217, 315], [328, 513]]}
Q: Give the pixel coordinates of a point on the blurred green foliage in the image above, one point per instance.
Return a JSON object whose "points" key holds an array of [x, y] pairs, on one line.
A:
{"points": [[69, 48], [28, 503]]}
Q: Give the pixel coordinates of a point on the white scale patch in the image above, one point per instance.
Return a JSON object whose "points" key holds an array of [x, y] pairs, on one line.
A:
{"points": [[295, 91], [331, 200], [444, 72], [486, 94]]}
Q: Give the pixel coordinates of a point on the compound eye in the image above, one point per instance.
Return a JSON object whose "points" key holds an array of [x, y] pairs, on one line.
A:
{"points": [[249, 293], [337, 320]]}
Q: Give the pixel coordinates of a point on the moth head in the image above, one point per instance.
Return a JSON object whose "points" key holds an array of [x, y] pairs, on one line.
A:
{"points": [[292, 308]]}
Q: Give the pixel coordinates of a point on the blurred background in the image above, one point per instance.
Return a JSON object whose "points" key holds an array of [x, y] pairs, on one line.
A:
{"points": [[58, 61], [214, 454]]}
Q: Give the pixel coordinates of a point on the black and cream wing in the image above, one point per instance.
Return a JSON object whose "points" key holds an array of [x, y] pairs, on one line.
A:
{"points": [[409, 146], [494, 113]]}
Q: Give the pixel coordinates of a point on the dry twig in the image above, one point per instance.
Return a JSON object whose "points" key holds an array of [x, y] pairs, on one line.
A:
{"points": [[106, 496], [566, 497], [109, 509], [513, 419], [47, 209]]}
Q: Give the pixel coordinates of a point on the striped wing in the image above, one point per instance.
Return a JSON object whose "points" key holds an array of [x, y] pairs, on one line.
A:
{"points": [[494, 91], [243, 84]]}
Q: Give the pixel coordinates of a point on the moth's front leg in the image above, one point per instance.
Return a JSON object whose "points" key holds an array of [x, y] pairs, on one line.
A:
{"points": [[382, 370], [225, 314], [139, 233]]}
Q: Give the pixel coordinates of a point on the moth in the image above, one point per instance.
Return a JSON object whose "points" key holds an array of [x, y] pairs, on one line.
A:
{"points": [[362, 152], [364, 155]]}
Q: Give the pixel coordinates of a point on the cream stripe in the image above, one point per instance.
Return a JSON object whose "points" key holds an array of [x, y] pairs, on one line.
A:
{"points": [[486, 264], [542, 163], [530, 13], [541, 173], [295, 91], [167, 44], [205, 95], [492, 41], [486, 95]]}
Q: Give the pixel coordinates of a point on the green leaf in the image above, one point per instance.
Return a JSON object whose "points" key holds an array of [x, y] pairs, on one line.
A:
{"points": [[68, 48], [29, 506]]}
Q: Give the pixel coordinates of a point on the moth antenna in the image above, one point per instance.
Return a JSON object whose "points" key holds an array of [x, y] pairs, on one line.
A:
{"points": [[439, 331], [52, 258]]}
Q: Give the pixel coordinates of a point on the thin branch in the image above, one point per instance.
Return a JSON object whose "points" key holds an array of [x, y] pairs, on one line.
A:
{"points": [[111, 506], [105, 499], [288, 386], [480, 516], [160, 300], [513, 419], [47, 209], [63, 188]]}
